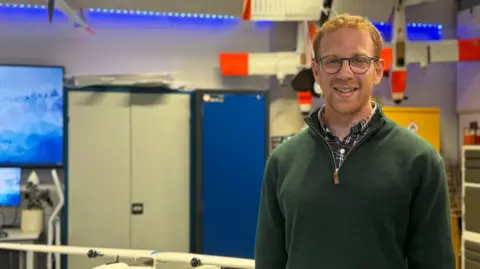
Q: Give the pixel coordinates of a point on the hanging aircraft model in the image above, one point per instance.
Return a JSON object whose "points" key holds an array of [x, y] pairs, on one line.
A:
{"points": [[78, 18], [397, 54], [137, 259]]}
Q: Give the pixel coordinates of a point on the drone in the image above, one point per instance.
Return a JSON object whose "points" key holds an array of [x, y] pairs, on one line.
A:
{"points": [[35, 197]]}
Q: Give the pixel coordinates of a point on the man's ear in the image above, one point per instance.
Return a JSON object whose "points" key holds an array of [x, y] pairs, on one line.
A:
{"points": [[379, 68], [316, 71]]}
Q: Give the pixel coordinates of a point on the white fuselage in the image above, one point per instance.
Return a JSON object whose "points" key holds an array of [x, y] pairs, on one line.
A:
{"points": [[399, 37]]}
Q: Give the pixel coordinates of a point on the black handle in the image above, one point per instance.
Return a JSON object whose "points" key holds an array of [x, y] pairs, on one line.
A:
{"points": [[137, 208]]}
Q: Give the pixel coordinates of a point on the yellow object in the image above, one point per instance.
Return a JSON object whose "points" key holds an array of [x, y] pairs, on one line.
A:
{"points": [[456, 240], [424, 121]]}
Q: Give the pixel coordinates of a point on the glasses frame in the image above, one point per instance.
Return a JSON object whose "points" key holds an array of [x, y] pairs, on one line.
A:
{"points": [[374, 59]]}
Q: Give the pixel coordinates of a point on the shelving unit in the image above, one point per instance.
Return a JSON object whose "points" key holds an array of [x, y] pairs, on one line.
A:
{"points": [[470, 240]]}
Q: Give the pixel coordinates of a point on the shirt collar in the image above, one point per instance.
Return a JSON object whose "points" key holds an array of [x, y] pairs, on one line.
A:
{"points": [[356, 128]]}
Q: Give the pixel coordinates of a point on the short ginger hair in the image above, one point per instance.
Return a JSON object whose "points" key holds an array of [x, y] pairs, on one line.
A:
{"points": [[348, 21]]}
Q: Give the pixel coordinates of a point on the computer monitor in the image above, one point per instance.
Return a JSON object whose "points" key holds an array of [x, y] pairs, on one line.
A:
{"points": [[31, 116], [10, 193]]}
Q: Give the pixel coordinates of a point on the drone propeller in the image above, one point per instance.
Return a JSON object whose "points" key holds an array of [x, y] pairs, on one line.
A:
{"points": [[51, 9]]}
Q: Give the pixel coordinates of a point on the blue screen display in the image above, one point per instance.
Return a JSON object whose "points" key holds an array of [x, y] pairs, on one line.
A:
{"points": [[10, 186], [31, 116]]}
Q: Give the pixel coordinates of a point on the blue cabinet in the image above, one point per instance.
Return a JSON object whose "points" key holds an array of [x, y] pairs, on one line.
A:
{"points": [[231, 143]]}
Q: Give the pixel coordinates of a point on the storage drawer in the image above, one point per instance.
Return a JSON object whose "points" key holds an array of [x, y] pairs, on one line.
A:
{"points": [[469, 264], [472, 209], [472, 154], [472, 255], [472, 175]]}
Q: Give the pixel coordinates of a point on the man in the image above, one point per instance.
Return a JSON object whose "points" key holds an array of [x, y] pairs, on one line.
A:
{"points": [[354, 190]]}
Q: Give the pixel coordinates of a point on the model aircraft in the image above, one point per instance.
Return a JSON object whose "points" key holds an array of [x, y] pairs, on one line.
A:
{"points": [[397, 54], [77, 18], [137, 259]]}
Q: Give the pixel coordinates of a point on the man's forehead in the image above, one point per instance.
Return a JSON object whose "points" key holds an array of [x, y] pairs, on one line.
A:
{"points": [[348, 42]]}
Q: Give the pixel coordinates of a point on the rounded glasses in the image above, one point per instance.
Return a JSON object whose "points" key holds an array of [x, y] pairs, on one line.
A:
{"points": [[358, 64]]}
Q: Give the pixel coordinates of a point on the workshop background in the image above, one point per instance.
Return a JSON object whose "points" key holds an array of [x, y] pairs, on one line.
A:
{"points": [[145, 44]]}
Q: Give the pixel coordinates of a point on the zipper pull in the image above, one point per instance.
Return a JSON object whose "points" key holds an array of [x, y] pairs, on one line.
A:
{"points": [[336, 181]]}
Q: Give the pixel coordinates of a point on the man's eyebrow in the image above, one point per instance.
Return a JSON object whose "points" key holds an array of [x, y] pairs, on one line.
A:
{"points": [[361, 54]]}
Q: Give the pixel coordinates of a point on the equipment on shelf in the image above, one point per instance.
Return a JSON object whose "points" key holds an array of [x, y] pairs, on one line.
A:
{"points": [[471, 134], [32, 216], [147, 80]]}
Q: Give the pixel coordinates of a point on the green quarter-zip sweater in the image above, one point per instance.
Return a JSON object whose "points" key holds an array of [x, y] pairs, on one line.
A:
{"points": [[390, 209]]}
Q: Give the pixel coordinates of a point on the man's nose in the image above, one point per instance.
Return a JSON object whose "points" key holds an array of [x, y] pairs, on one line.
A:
{"points": [[345, 71]]}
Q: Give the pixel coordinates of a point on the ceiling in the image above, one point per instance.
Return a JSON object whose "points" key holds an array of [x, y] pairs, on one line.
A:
{"points": [[223, 7]]}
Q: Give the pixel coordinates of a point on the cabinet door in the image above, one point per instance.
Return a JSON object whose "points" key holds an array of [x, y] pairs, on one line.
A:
{"points": [[160, 171], [99, 172], [422, 120], [234, 145]]}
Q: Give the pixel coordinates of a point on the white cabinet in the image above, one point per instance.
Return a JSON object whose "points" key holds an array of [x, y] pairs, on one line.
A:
{"points": [[128, 151]]}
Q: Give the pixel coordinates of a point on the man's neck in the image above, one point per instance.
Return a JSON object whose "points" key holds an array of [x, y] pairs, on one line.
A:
{"points": [[340, 124]]}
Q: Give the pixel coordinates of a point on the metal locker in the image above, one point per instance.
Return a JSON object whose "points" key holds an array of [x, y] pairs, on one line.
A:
{"points": [[231, 144]]}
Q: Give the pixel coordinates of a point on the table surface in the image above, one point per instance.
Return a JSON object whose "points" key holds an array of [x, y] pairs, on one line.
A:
{"points": [[16, 235]]}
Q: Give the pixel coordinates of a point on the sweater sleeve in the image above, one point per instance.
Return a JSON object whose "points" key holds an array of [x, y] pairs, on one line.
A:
{"points": [[429, 244], [270, 250]]}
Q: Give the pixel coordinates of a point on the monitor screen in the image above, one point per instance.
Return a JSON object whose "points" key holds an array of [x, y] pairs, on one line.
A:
{"points": [[10, 194], [31, 116]]}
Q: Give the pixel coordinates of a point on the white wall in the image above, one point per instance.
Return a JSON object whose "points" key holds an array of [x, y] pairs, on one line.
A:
{"points": [[134, 44], [468, 93]]}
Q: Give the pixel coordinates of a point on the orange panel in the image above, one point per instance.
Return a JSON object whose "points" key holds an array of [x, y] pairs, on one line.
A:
{"points": [[234, 64], [312, 30], [469, 50], [304, 98], [399, 81], [387, 56], [247, 10]]}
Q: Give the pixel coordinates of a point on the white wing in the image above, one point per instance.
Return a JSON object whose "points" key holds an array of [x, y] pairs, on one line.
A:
{"points": [[310, 10], [198, 259], [72, 14], [160, 257], [374, 10], [71, 250]]}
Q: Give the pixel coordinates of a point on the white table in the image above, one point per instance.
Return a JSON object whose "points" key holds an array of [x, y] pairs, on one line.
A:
{"points": [[27, 258]]}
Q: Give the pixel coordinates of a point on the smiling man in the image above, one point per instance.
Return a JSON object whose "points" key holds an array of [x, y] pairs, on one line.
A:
{"points": [[354, 190]]}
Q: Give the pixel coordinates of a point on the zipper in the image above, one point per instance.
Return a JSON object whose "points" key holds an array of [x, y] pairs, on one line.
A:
{"points": [[335, 174], [336, 180]]}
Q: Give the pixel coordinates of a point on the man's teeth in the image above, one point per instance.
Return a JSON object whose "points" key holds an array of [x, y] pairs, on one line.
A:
{"points": [[345, 90]]}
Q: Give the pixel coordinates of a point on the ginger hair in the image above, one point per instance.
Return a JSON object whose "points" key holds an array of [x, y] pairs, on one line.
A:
{"points": [[348, 21]]}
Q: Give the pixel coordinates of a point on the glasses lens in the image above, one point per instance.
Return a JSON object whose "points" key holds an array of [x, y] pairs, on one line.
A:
{"points": [[331, 64], [360, 64]]}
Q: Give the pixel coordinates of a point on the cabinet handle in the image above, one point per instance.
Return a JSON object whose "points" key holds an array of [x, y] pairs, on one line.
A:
{"points": [[137, 208]]}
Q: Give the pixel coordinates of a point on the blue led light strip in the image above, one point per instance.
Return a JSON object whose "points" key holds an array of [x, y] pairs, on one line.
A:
{"points": [[412, 25], [132, 12], [418, 26]]}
